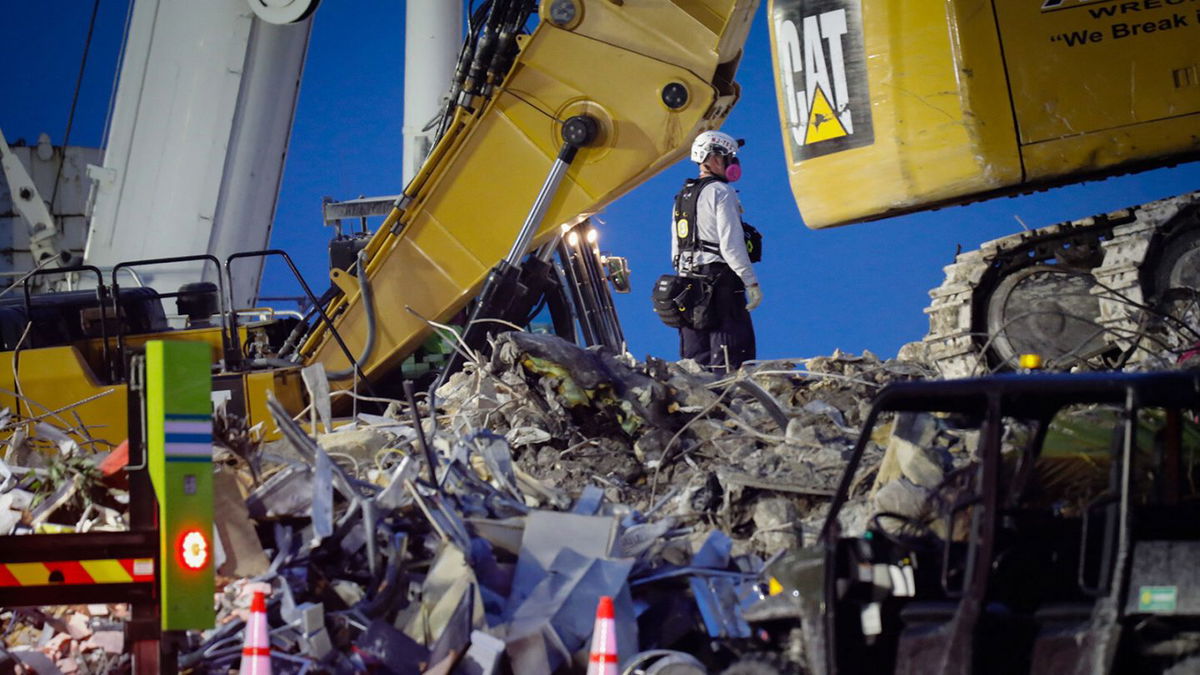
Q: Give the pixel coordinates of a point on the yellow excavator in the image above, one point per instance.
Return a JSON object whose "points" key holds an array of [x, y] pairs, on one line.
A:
{"points": [[546, 127], [890, 108], [885, 109]]}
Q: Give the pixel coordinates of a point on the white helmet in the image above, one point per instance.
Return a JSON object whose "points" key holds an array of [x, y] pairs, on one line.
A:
{"points": [[713, 141]]}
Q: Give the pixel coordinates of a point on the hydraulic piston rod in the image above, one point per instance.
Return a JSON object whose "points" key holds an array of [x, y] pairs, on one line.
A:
{"points": [[512, 289], [577, 132]]}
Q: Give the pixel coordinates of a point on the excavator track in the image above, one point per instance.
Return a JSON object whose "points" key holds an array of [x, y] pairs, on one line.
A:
{"points": [[1109, 291]]}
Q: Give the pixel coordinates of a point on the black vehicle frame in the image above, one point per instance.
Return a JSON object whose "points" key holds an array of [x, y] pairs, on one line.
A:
{"points": [[998, 580]]}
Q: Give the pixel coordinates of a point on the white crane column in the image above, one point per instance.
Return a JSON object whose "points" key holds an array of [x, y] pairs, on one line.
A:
{"points": [[433, 35], [197, 139]]}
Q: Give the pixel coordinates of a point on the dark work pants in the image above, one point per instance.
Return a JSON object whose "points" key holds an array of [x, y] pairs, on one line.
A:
{"points": [[734, 335]]}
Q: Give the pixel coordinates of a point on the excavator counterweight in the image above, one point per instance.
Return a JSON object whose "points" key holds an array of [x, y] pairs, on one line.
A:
{"points": [[890, 108]]}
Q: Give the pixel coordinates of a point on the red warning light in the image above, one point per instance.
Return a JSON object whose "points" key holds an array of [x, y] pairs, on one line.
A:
{"points": [[193, 549]]}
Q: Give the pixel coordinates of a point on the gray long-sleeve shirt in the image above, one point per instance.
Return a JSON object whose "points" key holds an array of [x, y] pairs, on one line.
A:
{"points": [[718, 219]]}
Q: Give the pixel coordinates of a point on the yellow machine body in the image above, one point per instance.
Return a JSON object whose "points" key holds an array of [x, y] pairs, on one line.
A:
{"points": [[50, 384], [889, 107], [65, 386]]}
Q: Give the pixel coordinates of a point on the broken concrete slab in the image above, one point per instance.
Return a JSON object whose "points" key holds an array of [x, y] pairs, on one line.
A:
{"points": [[360, 444], [775, 524], [565, 601], [546, 534], [903, 497], [450, 578], [912, 452]]}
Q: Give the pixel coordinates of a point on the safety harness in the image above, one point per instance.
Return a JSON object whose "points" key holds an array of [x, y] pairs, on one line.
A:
{"points": [[690, 299], [687, 234]]}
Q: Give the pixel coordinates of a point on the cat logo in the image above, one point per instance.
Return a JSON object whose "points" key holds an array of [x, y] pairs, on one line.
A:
{"points": [[823, 78]]}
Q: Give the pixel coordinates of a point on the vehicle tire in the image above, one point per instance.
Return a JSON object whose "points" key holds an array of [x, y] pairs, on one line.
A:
{"points": [[761, 664]]}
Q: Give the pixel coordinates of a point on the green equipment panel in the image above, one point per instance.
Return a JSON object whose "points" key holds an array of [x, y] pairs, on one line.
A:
{"points": [[179, 446]]}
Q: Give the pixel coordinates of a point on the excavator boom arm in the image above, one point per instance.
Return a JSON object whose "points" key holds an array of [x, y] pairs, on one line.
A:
{"points": [[650, 75]]}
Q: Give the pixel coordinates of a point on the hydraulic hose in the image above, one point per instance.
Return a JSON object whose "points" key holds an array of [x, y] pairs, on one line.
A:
{"points": [[506, 45], [301, 330], [369, 303], [293, 339], [466, 56], [485, 47]]}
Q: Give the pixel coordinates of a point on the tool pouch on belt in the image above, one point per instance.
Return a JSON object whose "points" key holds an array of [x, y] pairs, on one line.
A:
{"points": [[754, 242], [685, 302]]}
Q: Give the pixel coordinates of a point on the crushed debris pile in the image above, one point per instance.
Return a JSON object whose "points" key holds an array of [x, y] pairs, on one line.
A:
{"points": [[476, 531]]}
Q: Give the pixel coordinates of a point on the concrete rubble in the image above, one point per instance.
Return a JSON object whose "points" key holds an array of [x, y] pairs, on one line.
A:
{"points": [[559, 475]]}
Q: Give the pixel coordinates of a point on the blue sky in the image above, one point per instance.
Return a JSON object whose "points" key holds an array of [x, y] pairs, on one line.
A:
{"points": [[854, 288]]}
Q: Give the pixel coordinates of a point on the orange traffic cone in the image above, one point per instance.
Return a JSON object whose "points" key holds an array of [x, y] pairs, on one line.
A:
{"points": [[603, 659], [256, 649]]}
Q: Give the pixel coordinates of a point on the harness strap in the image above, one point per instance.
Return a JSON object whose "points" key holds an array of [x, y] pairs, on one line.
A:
{"points": [[687, 232]]}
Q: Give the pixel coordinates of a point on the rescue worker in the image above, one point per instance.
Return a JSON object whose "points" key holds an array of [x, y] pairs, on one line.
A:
{"points": [[709, 241]]}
